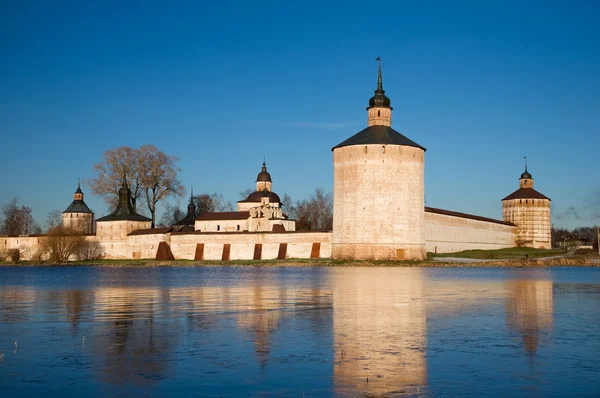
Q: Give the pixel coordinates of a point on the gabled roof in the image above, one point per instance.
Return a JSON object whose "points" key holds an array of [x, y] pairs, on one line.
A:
{"points": [[383, 135], [224, 215], [78, 206], [526, 193]]}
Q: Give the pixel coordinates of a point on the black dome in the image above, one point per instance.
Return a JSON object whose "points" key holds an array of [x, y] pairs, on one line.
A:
{"points": [[379, 100], [258, 195], [264, 174], [526, 175]]}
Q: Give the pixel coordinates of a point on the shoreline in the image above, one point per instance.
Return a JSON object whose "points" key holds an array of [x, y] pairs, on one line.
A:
{"points": [[571, 261]]}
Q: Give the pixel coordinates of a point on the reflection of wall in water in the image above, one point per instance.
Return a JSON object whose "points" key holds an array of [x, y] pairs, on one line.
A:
{"points": [[16, 303], [379, 330], [134, 340], [529, 309]]}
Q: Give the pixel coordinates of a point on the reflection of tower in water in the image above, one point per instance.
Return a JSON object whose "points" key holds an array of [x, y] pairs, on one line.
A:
{"points": [[529, 310], [134, 339], [379, 330], [260, 316]]}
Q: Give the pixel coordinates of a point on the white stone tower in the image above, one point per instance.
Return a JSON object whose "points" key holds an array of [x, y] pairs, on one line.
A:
{"points": [[529, 210], [78, 215], [378, 190]]}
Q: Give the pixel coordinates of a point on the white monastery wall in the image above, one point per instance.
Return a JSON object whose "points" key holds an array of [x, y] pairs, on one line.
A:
{"points": [[378, 202], [299, 245], [448, 234]]}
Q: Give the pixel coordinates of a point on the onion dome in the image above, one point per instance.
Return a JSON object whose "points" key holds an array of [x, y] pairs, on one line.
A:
{"points": [[264, 174], [526, 175], [379, 100]]}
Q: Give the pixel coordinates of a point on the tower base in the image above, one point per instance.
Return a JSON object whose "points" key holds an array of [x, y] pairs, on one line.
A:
{"points": [[364, 251]]}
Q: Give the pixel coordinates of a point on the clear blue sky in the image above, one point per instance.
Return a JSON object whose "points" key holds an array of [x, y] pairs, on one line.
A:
{"points": [[222, 84]]}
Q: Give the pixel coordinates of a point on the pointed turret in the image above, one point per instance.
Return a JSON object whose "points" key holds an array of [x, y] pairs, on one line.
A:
{"points": [[124, 210], [192, 205]]}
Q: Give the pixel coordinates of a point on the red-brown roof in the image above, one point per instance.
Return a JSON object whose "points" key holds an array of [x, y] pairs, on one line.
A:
{"points": [[224, 215], [526, 193], [464, 215], [151, 231]]}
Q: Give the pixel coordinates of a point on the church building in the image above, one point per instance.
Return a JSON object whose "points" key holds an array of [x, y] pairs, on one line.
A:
{"points": [[261, 211]]}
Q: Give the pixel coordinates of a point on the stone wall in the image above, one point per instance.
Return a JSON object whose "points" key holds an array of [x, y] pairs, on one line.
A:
{"points": [[378, 199], [242, 246], [448, 234], [83, 222]]}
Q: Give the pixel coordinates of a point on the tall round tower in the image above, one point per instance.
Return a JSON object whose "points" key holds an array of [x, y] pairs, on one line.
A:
{"points": [[78, 215], [378, 190], [529, 210]]}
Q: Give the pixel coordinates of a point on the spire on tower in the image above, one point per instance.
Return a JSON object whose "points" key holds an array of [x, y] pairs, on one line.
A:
{"points": [[379, 100], [379, 78]]}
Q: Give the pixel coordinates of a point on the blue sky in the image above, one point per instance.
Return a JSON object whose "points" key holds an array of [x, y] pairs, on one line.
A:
{"points": [[222, 84]]}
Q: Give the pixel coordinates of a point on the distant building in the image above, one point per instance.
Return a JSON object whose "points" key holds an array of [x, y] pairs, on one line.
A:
{"points": [[116, 226], [78, 215], [260, 212], [529, 210]]}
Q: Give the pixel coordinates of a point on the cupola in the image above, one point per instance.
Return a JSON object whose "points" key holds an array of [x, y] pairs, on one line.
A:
{"points": [[379, 110]]}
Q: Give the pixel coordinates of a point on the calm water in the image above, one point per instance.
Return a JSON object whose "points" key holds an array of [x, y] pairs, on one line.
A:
{"points": [[268, 331]]}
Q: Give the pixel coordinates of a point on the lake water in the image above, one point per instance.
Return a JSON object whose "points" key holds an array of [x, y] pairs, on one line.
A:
{"points": [[306, 331]]}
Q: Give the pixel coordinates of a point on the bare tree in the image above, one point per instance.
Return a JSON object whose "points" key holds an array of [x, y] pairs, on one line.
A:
{"points": [[171, 216], [54, 219], [61, 243], [209, 203], [314, 213], [159, 177], [149, 172], [245, 193], [116, 163], [17, 220]]}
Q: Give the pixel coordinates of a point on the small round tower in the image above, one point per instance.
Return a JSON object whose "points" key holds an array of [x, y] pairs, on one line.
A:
{"points": [[378, 190], [78, 215], [529, 210]]}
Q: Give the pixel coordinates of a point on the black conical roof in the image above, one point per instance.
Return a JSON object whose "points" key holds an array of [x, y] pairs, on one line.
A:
{"points": [[124, 210], [383, 135]]}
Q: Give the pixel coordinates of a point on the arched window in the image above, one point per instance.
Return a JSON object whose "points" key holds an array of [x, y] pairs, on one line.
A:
{"points": [[365, 149], [383, 149], [378, 113], [218, 227], [238, 227]]}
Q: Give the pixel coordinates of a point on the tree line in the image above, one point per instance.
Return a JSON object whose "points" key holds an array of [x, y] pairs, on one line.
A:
{"points": [[588, 235]]}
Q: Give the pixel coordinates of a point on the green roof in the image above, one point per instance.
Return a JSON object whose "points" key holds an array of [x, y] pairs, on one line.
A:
{"points": [[78, 206]]}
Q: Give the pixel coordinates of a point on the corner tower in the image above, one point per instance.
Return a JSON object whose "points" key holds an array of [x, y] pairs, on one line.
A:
{"points": [[78, 215], [529, 210], [378, 190]]}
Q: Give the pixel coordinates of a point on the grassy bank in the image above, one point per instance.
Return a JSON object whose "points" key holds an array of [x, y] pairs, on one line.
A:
{"points": [[512, 253], [510, 262]]}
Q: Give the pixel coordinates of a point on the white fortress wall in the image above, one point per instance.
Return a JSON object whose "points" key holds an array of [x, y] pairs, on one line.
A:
{"points": [[448, 234], [242, 245]]}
